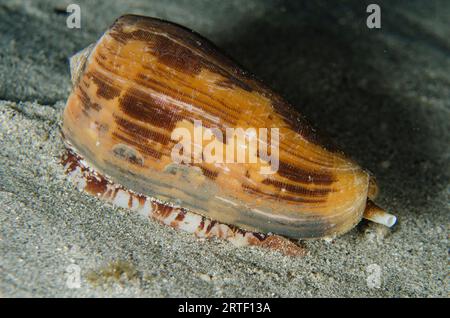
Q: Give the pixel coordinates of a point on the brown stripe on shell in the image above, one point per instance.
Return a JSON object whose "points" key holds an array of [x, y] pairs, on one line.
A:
{"points": [[297, 189], [209, 173], [101, 56], [225, 112], [184, 59], [135, 130], [173, 54], [166, 50], [118, 35], [251, 189], [294, 173], [226, 83], [190, 58], [105, 86], [145, 108], [86, 103]]}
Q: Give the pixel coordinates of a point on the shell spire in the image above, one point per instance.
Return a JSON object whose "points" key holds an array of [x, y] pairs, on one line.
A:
{"points": [[77, 63]]}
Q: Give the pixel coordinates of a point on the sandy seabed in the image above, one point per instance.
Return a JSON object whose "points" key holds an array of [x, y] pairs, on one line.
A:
{"points": [[382, 95]]}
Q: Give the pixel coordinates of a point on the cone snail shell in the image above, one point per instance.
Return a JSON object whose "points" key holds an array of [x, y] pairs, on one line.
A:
{"points": [[146, 78]]}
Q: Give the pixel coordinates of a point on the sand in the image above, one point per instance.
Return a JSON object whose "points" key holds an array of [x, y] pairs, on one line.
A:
{"points": [[382, 95]]}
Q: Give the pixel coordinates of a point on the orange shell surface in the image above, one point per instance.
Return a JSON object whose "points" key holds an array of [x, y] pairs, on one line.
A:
{"points": [[145, 78]]}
